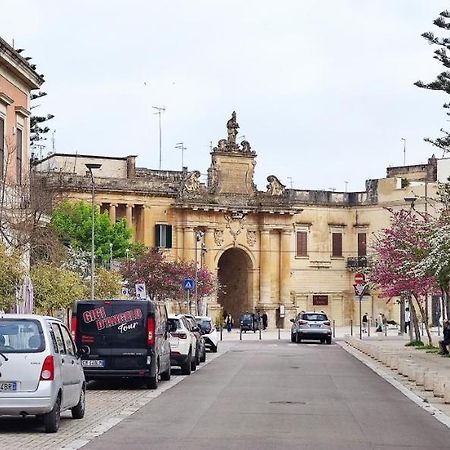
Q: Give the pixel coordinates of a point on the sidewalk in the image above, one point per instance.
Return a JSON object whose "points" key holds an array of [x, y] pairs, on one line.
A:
{"points": [[424, 374]]}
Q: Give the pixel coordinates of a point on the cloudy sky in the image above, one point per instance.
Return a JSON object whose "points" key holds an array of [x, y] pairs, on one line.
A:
{"points": [[323, 90]]}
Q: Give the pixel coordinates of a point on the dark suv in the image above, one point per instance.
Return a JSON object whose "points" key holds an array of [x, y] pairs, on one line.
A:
{"points": [[311, 325]]}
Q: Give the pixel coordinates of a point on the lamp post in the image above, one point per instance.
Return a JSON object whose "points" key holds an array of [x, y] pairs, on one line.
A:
{"points": [[91, 167]]}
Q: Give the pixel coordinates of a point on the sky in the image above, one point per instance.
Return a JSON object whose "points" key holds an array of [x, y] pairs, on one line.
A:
{"points": [[323, 90]]}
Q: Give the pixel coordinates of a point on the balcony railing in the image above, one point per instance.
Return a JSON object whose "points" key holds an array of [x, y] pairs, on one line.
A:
{"points": [[355, 262]]}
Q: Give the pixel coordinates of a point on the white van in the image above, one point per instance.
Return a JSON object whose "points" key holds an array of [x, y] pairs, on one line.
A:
{"points": [[40, 370]]}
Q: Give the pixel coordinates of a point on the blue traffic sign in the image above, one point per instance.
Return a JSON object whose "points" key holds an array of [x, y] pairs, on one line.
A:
{"points": [[188, 284]]}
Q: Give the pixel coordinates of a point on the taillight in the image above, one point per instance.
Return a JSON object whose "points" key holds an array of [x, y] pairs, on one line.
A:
{"points": [[48, 369], [73, 327], [180, 335], [150, 331], [327, 323], [302, 322]]}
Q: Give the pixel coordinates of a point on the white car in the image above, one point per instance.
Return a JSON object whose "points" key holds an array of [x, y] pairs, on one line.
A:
{"points": [[182, 344], [40, 369], [209, 332]]}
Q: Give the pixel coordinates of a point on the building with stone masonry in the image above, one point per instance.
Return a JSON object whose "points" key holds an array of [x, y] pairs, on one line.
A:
{"points": [[278, 250]]}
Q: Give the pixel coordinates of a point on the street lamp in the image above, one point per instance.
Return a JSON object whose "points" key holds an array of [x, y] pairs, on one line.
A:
{"points": [[110, 255], [91, 167]]}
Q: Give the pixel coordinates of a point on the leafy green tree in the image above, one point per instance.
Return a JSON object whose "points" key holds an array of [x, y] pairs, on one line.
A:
{"points": [[442, 81], [108, 283], [55, 288], [11, 273], [73, 221]]}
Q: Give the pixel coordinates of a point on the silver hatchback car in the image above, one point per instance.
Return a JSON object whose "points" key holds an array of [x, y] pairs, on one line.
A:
{"points": [[40, 370]]}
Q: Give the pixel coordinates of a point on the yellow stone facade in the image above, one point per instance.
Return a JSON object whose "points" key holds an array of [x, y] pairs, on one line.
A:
{"points": [[249, 238]]}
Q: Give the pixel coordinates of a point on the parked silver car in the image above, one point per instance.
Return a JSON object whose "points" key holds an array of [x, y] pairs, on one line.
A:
{"points": [[40, 371], [311, 325]]}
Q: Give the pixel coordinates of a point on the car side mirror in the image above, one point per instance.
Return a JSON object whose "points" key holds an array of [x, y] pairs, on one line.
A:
{"points": [[292, 320]]}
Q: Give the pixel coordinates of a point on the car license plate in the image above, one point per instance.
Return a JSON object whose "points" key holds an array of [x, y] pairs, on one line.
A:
{"points": [[316, 325], [12, 386], [93, 363]]}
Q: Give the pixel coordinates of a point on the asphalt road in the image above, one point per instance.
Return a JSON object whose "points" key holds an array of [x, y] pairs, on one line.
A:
{"points": [[277, 395]]}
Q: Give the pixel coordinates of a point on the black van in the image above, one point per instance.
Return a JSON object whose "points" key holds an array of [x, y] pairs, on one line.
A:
{"points": [[122, 338]]}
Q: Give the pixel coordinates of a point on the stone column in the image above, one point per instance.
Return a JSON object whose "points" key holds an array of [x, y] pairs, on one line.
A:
{"points": [[129, 217], [210, 247], [285, 265], [179, 241], [112, 212], [264, 268], [148, 231], [189, 244]]}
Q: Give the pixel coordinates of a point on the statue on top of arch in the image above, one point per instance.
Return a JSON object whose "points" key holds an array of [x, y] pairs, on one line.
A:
{"points": [[230, 144]]}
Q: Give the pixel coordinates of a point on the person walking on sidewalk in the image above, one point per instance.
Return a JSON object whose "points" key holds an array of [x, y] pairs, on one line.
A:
{"points": [[407, 319], [264, 320], [446, 341], [380, 323], [365, 320], [229, 322]]}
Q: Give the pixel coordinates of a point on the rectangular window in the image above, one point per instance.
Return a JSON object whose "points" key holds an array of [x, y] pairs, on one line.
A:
{"points": [[337, 244], [302, 243], [2, 147], [163, 236], [19, 140], [362, 244]]}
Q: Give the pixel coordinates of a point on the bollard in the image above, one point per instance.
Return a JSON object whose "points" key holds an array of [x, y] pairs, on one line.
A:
{"points": [[368, 327], [221, 328], [351, 327], [279, 337], [422, 328], [240, 334], [439, 328], [385, 329], [334, 328], [259, 333]]}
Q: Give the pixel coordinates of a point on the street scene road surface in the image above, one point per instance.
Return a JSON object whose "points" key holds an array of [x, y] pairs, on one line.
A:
{"points": [[278, 395]]}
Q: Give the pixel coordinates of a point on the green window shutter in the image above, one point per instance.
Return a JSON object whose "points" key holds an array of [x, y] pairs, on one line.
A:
{"points": [[157, 235], [168, 236]]}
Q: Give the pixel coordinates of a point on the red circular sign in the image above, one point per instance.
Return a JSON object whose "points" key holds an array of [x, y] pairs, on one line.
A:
{"points": [[359, 278]]}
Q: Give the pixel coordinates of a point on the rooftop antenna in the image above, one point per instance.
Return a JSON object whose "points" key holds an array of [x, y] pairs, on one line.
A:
{"points": [[210, 145], [180, 146], [159, 110], [404, 151], [53, 141]]}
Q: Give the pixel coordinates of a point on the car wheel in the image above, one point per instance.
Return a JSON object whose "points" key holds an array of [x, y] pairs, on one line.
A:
{"points": [[198, 358], [298, 339], [166, 375], [292, 338], [214, 348], [203, 357], [79, 409], [328, 340], [53, 418], [194, 364], [322, 341], [186, 367], [152, 382]]}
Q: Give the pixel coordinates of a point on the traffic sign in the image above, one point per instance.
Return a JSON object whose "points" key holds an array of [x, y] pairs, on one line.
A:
{"points": [[188, 284], [140, 290], [360, 288], [359, 278]]}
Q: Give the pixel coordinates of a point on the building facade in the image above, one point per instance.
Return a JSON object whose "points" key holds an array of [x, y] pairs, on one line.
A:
{"points": [[279, 250]]}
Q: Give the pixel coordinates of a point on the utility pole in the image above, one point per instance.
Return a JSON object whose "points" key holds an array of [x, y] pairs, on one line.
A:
{"points": [[159, 110], [404, 151], [180, 146]]}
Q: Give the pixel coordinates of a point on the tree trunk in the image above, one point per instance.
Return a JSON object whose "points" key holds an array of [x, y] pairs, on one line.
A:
{"points": [[414, 320], [424, 315]]}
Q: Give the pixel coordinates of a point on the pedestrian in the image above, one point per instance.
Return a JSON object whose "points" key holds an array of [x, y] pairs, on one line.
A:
{"points": [[407, 320], [446, 341], [264, 320], [257, 320], [229, 322], [365, 320], [379, 323]]}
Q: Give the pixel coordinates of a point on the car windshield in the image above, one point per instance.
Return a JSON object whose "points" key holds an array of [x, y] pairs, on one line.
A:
{"points": [[21, 336], [314, 317], [205, 325]]}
